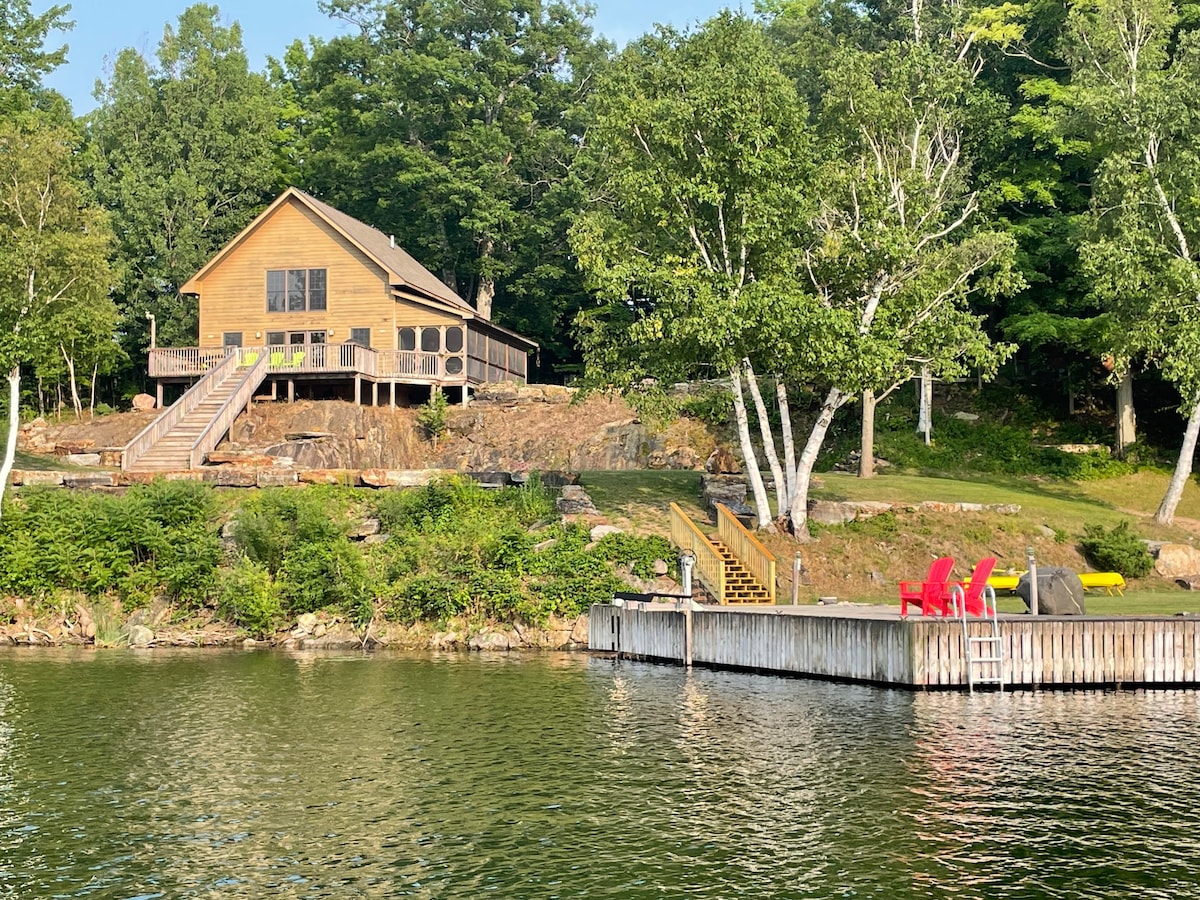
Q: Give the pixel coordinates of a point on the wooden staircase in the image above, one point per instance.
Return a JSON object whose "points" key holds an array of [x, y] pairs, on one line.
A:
{"points": [[733, 565], [172, 452], [741, 587]]}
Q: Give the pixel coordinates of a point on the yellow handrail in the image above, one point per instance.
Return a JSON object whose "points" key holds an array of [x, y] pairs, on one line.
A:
{"points": [[710, 567], [757, 559]]}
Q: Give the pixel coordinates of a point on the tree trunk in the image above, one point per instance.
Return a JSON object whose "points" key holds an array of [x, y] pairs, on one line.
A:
{"points": [[768, 439], [808, 458], [487, 284], [75, 402], [762, 504], [866, 456], [14, 426], [92, 392], [1183, 468], [1126, 420], [925, 405], [789, 441]]}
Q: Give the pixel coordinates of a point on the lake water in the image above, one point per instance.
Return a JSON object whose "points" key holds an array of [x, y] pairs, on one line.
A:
{"points": [[213, 774]]}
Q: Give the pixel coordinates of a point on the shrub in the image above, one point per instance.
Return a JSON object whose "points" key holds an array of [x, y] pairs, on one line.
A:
{"points": [[638, 553], [1116, 550], [248, 596], [315, 575], [429, 596], [432, 415]]}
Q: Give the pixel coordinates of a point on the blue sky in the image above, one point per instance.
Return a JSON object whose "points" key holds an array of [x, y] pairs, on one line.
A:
{"points": [[104, 27]]}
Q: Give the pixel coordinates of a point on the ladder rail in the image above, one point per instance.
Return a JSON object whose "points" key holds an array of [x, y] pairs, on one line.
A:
{"points": [[973, 645]]}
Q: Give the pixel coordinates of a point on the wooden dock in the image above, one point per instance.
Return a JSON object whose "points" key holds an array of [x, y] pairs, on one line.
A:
{"points": [[874, 645]]}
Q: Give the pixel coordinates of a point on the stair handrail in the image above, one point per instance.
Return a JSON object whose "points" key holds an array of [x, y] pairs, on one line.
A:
{"points": [[710, 566], [223, 418], [173, 414], [749, 550]]}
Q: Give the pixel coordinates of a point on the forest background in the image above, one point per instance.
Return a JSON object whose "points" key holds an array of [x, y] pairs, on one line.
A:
{"points": [[830, 196]]}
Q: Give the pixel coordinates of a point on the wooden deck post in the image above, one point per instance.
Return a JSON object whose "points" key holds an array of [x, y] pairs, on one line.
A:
{"points": [[393, 395], [358, 390], [374, 393], [464, 396], [158, 394], [291, 390]]}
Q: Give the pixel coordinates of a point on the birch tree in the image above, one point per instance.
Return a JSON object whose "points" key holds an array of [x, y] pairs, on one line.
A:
{"points": [[53, 251], [1135, 80], [897, 255], [697, 160]]}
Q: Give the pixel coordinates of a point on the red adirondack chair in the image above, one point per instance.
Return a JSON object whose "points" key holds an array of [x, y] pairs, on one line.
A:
{"points": [[932, 594], [970, 593]]}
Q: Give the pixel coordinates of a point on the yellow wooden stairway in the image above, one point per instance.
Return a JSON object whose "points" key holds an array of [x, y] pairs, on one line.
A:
{"points": [[733, 565]]}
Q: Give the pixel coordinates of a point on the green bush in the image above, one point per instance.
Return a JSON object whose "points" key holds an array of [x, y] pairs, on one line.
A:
{"points": [[432, 415], [248, 596], [638, 553], [1116, 550], [322, 574]]}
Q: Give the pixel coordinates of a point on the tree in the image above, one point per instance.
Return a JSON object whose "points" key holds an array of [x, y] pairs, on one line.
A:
{"points": [[183, 153], [53, 251], [1135, 81], [453, 126], [697, 161]]}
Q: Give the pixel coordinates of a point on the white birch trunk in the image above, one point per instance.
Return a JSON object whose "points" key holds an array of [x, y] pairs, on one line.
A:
{"points": [[866, 456], [92, 392], [75, 402], [14, 426], [1126, 419], [761, 503], [789, 441], [808, 458], [1183, 468], [768, 440]]}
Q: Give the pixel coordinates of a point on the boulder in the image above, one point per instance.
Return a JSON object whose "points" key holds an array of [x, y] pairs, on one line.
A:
{"points": [[327, 476], [489, 640], [400, 477], [1060, 592], [1177, 560], [729, 490], [276, 477], [722, 462], [30, 477], [90, 479], [139, 636], [67, 448], [1189, 582], [143, 402], [661, 567], [364, 529], [234, 476], [576, 502], [600, 532]]}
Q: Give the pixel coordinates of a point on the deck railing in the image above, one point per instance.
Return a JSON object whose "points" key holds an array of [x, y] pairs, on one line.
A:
{"points": [[192, 398], [710, 567], [313, 359], [252, 368], [757, 559]]}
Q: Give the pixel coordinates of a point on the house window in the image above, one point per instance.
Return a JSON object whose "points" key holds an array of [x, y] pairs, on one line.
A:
{"points": [[360, 336], [408, 338], [431, 340], [296, 290], [275, 338], [232, 339], [454, 339]]}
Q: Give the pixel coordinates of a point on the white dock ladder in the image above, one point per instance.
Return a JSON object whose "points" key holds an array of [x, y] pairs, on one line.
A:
{"points": [[984, 653]]}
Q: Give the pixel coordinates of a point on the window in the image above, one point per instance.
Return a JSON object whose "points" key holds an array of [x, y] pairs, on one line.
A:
{"points": [[360, 336], [232, 339], [431, 340], [275, 283], [296, 290], [274, 338], [408, 339], [454, 339]]}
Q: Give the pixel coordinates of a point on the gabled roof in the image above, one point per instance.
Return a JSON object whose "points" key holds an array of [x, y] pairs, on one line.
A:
{"points": [[402, 269]]}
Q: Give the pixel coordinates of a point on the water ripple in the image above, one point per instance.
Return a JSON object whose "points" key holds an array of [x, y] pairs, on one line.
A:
{"points": [[209, 774]]}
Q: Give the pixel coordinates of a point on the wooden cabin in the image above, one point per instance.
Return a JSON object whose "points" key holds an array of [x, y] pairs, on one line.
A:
{"points": [[335, 306]]}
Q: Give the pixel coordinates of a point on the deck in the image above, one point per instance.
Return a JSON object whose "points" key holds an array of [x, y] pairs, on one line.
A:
{"points": [[872, 644], [342, 360]]}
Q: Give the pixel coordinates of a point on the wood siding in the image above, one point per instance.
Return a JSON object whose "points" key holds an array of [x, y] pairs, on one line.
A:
{"points": [[233, 294], [1042, 652], [416, 315]]}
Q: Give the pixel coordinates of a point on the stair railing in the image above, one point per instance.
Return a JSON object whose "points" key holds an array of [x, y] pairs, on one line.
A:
{"points": [[223, 418], [173, 415], [710, 567], [749, 550]]}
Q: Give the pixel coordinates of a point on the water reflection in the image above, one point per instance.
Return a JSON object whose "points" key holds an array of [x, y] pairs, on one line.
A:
{"points": [[303, 775]]}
